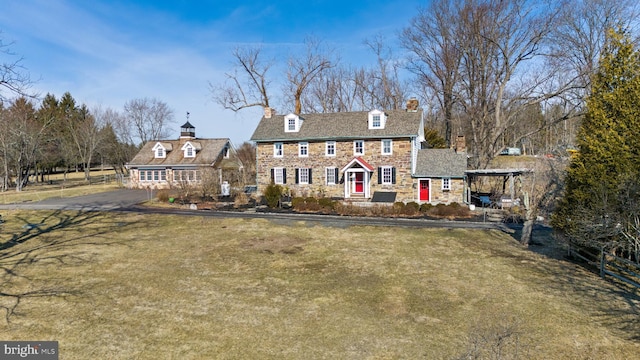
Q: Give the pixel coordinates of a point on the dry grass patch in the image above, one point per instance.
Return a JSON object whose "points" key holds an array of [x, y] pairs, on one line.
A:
{"points": [[158, 286]]}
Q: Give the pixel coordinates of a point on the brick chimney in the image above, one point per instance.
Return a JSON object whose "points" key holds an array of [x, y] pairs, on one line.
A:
{"points": [[460, 145], [412, 105], [269, 112]]}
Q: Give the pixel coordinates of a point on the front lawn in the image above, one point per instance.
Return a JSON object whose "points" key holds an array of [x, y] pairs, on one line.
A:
{"points": [[125, 286]]}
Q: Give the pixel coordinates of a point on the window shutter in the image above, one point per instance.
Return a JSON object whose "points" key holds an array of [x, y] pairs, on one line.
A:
{"points": [[393, 175], [310, 177], [273, 179], [337, 180], [379, 175], [284, 176], [297, 176]]}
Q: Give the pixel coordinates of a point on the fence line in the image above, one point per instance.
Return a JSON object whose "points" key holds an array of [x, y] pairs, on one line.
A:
{"points": [[610, 265]]}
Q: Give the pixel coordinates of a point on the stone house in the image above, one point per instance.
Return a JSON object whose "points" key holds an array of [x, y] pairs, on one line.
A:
{"points": [[359, 156], [187, 161]]}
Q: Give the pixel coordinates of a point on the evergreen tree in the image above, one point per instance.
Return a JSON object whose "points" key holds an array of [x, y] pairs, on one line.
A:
{"points": [[609, 144]]}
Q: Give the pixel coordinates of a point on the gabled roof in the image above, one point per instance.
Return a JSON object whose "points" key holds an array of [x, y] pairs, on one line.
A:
{"points": [[358, 160], [440, 163], [341, 125], [209, 152]]}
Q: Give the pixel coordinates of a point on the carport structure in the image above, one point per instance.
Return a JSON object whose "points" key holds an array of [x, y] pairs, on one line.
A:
{"points": [[508, 176]]}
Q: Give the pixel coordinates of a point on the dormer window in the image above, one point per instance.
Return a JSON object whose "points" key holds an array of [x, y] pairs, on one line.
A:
{"points": [[160, 151], [292, 123], [377, 119], [189, 150]]}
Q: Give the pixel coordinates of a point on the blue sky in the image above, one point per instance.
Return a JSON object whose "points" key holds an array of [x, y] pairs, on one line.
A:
{"points": [[108, 52]]}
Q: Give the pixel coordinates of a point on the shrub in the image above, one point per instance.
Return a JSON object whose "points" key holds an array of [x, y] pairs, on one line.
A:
{"points": [[272, 195], [424, 208], [414, 206], [326, 203], [163, 195], [297, 203], [310, 200], [240, 199]]}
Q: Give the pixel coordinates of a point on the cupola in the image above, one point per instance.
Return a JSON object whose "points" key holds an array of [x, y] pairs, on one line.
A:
{"points": [[187, 131]]}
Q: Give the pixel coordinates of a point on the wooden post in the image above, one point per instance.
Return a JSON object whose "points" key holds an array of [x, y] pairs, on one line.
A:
{"points": [[603, 263]]}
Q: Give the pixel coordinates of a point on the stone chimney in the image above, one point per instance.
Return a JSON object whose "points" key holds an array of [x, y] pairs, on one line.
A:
{"points": [[412, 105], [269, 112], [460, 145]]}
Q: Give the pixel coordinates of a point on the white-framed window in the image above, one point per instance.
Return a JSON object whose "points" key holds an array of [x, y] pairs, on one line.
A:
{"points": [[387, 147], [303, 149], [331, 176], [279, 175], [226, 152], [143, 175], [358, 147], [163, 175], [446, 184], [277, 150], [160, 153], [156, 175], [330, 148], [185, 175], [377, 119], [386, 174], [292, 123], [189, 151], [303, 175], [149, 175]]}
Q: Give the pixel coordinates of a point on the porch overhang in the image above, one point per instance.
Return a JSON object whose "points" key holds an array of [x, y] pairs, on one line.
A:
{"points": [[360, 161]]}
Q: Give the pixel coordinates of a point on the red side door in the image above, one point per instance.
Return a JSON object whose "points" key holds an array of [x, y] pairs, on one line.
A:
{"points": [[424, 190], [359, 186]]}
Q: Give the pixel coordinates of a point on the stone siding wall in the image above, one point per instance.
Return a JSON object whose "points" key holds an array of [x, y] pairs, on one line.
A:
{"points": [[439, 196], [318, 162]]}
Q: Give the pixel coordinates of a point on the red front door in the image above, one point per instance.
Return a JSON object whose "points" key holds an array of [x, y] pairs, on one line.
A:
{"points": [[424, 190], [359, 183]]}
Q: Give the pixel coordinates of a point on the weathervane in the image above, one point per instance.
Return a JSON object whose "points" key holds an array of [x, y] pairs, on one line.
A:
{"points": [[187, 116]]}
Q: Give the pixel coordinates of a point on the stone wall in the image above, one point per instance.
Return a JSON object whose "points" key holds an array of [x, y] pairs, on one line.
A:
{"points": [[318, 162], [439, 196]]}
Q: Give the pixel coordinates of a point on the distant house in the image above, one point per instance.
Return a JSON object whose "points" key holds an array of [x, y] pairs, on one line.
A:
{"points": [[163, 164], [364, 156]]}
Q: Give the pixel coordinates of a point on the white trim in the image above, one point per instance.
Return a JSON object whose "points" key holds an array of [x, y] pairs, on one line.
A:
{"points": [[292, 119], [326, 147], [377, 115], [188, 146], [277, 170], [159, 147], [300, 170], [382, 180], [354, 148], [330, 180], [448, 186], [390, 147], [305, 145], [276, 150]]}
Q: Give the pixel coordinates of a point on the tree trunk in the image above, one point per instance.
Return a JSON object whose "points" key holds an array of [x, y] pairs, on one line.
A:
{"points": [[527, 232]]}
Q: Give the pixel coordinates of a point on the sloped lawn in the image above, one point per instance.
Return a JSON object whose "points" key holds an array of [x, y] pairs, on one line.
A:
{"points": [[131, 286]]}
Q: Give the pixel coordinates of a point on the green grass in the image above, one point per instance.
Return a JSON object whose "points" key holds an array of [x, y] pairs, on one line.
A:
{"points": [[125, 286]]}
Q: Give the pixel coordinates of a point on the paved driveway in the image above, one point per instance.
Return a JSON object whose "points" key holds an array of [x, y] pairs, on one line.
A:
{"points": [[126, 200], [110, 200]]}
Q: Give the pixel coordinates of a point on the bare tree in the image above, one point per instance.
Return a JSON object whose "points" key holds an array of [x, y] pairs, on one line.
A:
{"points": [[148, 119], [246, 154], [386, 88], [579, 36], [86, 135], [12, 75], [435, 54], [248, 84], [302, 70]]}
